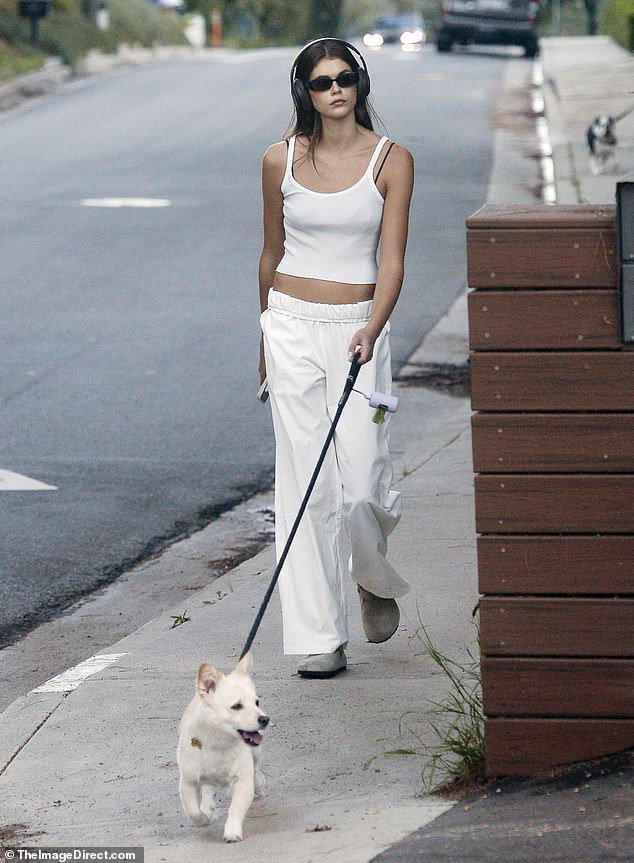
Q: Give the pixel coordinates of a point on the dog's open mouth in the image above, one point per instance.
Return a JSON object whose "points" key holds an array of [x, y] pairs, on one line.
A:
{"points": [[253, 738]]}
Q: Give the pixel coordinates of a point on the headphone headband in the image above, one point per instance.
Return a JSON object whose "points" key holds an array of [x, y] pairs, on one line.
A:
{"points": [[350, 47], [299, 90]]}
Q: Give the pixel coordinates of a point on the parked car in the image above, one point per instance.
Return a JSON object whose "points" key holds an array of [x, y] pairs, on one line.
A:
{"points": [[408, 29], [489, 22]]}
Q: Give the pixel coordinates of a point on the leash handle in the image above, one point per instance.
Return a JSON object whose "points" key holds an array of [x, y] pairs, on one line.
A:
{"points": [[353, 374]]}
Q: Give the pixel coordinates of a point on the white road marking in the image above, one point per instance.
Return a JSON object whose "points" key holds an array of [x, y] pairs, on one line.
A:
{"points": [[10, 481], [143, 203], [75, 676]]}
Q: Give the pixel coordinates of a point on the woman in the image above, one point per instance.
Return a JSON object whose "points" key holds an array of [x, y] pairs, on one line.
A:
{"points": [[331, 192]]}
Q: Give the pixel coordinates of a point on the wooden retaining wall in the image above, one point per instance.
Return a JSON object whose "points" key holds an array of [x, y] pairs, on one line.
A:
{"points": [[553, 451]]}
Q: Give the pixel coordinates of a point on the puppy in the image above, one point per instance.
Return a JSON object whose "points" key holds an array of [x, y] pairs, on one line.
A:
{"points": [[220, 733]]}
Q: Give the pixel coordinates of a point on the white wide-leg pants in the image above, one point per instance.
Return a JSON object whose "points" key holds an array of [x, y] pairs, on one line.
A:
{"points": [[306, 346]]}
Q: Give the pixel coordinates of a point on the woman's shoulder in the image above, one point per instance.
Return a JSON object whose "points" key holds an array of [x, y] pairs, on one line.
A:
{"points": [[400, 157], [398, 151], [275, 155]]}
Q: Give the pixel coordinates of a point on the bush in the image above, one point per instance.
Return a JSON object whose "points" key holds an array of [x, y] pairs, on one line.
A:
{"points": [[70, 36], [138, 22], [616, 21], [66, 33], [17, 62]]}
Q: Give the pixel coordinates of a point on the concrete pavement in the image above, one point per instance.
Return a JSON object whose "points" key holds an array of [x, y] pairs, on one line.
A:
{"points": [[584, 77], [95, 764]]}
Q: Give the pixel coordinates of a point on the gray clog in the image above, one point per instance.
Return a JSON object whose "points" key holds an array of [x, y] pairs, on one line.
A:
{"points": [[380, 617], [322, 665]]}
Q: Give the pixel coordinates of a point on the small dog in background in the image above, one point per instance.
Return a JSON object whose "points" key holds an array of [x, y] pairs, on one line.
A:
{"points": [[220, 733], [601, 138]]}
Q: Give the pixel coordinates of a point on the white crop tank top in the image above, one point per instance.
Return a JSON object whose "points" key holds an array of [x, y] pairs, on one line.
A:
{"points": [[332, 236]]}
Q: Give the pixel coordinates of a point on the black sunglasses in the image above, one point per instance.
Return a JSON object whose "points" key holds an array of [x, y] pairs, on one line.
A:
{"points": [[343, 79]]}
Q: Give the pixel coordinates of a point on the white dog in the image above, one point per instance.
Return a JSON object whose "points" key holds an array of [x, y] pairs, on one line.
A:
{"points": [[220, 733]]}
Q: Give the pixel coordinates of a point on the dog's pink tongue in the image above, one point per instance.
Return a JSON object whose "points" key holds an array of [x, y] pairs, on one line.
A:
{"points": [[253, 737]]}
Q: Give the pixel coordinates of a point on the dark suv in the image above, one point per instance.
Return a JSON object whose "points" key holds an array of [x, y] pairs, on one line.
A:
{"points": [[489, 22]]}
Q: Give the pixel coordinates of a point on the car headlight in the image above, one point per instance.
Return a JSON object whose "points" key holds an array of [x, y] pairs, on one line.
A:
{"points": [[373, 40], [412, 37]]}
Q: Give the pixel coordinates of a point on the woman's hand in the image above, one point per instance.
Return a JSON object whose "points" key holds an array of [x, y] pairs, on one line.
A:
{"points": [[362, 344]]}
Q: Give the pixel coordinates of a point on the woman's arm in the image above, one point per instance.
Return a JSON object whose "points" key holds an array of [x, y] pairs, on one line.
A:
{"points": [[273, 167], [396, 185]]}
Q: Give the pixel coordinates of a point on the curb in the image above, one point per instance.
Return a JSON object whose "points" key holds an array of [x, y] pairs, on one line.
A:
{"points": [[45, 80]]}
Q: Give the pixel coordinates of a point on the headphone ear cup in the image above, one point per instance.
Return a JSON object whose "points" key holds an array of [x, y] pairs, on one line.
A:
{"points": [[363, 87], [301, 96]]}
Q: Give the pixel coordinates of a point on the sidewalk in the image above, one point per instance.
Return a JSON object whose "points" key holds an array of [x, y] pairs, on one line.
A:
{"points": [[583, 78], [95, 765]]}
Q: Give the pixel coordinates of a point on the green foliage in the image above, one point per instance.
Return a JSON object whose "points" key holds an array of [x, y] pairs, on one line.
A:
{"points": [[179, 619], [458, 721], [617, 21], [17, 62], [252, 23], [138, 22], [68, 34], [70, 7]]}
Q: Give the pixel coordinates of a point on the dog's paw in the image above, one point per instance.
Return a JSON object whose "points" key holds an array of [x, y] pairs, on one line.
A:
{"points": [[199, 819], [207, 803], [233, 829]]}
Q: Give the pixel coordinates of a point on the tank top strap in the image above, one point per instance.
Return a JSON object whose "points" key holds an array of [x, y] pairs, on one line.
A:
{"points": [[376, 154], [290, 151]]}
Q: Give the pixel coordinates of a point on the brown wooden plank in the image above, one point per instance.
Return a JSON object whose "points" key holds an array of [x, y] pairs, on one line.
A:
{"points": [[556, 564], [542, 215], [573, 381], [556, 503], [558, 687], [538, 320], [556, 626], [530, 746], [541, 258], [553, 443]]}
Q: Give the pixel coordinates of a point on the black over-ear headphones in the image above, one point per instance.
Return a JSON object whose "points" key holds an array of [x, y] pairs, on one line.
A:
{"points": [[299, 90]]}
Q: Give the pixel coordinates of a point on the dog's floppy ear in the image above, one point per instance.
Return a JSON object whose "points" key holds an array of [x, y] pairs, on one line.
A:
{"points": [[244, 666], [208, 678]]}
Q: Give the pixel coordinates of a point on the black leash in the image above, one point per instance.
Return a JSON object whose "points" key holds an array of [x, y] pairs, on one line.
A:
{"points": [[350, 381]]}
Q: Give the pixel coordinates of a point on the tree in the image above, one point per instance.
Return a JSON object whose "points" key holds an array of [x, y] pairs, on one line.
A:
{"points": [[91, 9], [591, 10], [325, 18]]}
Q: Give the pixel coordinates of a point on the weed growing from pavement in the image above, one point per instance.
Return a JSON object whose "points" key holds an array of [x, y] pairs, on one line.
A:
{"points": [[179, 619], [457, 721]]}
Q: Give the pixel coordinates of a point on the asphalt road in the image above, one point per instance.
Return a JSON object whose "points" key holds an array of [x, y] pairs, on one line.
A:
{"points": [[130, 334]]}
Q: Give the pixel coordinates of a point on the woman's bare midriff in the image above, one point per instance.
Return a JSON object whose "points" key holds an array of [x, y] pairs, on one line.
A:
{"points": [[321, 291]]}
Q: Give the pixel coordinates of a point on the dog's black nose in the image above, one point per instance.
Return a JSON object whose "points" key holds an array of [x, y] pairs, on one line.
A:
{"points": [[263, 721]]}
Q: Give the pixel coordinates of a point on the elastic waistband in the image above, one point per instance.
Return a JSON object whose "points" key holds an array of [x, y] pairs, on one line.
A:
{"points": [[296, 308]]}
